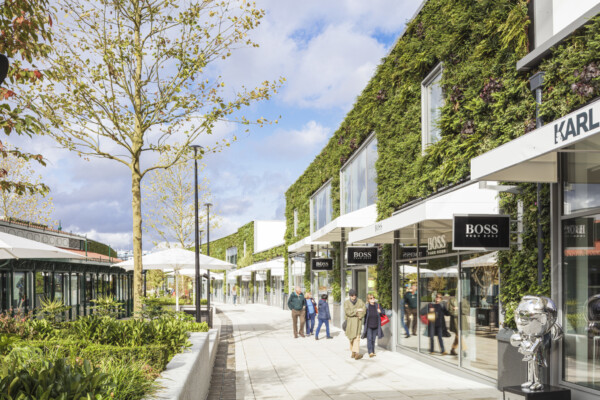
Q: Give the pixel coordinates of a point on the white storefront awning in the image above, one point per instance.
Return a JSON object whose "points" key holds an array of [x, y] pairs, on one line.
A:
{"points": [[246, 271], [437, 211], [533, 156], [486, 260], [305, 245], [267, 265], [332, 232]]}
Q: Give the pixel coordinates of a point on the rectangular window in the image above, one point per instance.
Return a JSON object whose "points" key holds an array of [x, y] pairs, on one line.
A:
{"points": [[581, 185], [431, 102], [231, 255], [296, 222], [322, 207], [359, 179]]}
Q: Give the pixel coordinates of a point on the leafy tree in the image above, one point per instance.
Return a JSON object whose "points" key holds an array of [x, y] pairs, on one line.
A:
{"points": [[169, 194], [35, 206], [132, 79], [25, 37]]}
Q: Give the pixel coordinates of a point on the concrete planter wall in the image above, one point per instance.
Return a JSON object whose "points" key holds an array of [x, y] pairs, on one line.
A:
{"points": [[188, 374]]}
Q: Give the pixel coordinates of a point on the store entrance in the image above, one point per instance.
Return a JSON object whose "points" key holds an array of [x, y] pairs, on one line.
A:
{"points": [[360, 283]]}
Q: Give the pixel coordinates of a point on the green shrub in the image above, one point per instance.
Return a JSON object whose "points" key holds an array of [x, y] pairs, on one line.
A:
{"points": [[58, 380]]}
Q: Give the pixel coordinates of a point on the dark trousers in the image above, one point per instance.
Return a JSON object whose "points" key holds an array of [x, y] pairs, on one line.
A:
{"points": [[402, 318], [371, 336], [321, 322], [436, 332], [411, 313], [310, 324]]}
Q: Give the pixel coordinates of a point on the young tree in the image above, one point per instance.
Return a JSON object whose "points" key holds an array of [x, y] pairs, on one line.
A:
{"points": [[169, 195], [34, 206], [131, 78], [24, 38]]}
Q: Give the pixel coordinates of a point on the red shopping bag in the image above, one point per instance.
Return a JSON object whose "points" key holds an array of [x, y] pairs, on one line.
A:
{"points": [[384, 319]]}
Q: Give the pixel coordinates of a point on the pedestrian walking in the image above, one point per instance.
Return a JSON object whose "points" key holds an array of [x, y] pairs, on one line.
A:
{"points": [[372, 325], [411, 303], [234, 294], [453, 309], [296, 304], [354, 309], [311, 313], [323, 317], [437, 323]]}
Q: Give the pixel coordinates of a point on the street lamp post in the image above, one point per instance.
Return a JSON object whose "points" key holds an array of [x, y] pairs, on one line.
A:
{"points": [[197, 239], [209, 318]]}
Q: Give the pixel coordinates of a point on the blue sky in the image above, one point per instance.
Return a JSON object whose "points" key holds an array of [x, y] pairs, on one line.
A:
{"points": [[326, 50]]}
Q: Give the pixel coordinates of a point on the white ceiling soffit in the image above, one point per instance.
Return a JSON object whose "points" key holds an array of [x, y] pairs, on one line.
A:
{"points": [[465, 200], [304, 245], [332, 232], [533, 156]]}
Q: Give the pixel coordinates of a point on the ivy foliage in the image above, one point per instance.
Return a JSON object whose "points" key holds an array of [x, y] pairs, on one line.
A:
{"points": [[245, 234], [487, 103]]}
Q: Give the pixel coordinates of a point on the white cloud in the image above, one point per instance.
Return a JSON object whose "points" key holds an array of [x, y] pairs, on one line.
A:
{"points": [[296, 143], [114, 239]]}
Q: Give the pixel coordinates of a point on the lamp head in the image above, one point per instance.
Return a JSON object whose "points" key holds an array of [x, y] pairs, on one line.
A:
{"points": [[208, 204], [196, 148]]}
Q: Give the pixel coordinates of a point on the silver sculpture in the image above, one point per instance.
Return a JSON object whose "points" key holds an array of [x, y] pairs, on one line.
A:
{"points": [[537, 327]]}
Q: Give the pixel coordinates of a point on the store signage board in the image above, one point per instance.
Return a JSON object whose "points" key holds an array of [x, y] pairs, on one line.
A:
{"points": [[481, 232], [322, 264], [578, 233], [362, 255], [410, 252]]}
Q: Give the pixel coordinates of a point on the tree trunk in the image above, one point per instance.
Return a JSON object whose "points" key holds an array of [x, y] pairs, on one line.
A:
{"points": [[136, 203]]}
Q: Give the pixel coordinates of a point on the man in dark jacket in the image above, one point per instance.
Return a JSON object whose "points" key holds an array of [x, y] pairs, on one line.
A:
{"points": [[411, 299], [296, 304]]}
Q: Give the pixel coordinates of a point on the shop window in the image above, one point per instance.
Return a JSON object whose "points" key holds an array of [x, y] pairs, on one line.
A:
{"points": [[581, 182], [581, 301], [231, 255], [19, 291], [322, 207], [359, 178], [431, 103], [476, 314]]}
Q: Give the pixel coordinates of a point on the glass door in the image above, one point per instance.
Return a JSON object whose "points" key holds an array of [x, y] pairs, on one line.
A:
{"points": [[476, 314]]}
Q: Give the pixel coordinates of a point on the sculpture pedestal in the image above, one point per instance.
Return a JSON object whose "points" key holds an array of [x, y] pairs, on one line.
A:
{"points": [[548, 393]]}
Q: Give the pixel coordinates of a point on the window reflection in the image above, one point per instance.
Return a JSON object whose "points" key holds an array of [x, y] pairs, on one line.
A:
{"points": [[359, 185], [581, 305]]}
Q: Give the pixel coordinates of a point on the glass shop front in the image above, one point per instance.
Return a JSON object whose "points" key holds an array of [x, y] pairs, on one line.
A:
{"points": [[447, 300]]}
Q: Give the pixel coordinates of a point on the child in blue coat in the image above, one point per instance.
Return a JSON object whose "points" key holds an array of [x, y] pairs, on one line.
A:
{"points": [[324, 317]]}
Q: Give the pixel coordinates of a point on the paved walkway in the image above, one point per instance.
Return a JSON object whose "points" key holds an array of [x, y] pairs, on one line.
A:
{"points": [[222, 383], [271, 364]]}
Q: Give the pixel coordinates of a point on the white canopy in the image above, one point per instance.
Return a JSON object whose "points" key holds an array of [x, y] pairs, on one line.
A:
{"points": [[445, 272], [191, 272], [412, 269], [486, 260], [177, 259], [246, 271], [12, 247], [267, 265]]}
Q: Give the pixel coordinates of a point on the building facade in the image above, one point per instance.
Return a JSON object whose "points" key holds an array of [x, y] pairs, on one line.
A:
{"points": [[451, 124], [25, 283], [256, 248]]}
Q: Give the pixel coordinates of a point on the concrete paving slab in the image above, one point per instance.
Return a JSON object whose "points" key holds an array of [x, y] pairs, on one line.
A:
{"points": [[270, 363]]}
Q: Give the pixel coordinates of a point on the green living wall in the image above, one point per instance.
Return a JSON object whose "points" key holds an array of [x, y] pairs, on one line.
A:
{"points": [[487, 103]]}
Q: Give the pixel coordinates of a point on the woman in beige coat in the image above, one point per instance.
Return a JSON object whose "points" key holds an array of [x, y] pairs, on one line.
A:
{"points": [[354, 308]]}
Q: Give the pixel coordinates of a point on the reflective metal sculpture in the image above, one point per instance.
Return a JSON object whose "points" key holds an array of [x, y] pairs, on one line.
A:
{"points": [[537, 327]]}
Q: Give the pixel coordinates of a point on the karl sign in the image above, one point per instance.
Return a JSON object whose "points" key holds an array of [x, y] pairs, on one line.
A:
{"points": [[362, 255], [322, 264], [481, 232]]}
